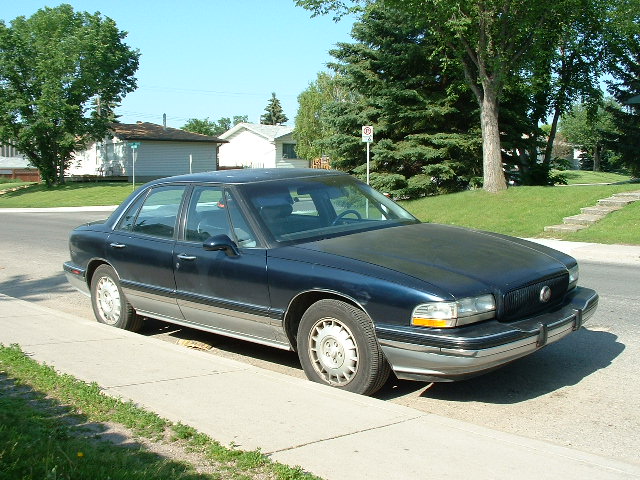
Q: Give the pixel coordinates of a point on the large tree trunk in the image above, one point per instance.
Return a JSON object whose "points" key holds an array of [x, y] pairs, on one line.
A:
{"points": [[552, 136], [491, 152], [596, 158]]}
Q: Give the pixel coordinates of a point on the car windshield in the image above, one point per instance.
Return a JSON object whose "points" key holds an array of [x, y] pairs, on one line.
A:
{"points": [[311, 208]]}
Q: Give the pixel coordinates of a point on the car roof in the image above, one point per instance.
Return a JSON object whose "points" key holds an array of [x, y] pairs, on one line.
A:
{"points": [[249, 175]]}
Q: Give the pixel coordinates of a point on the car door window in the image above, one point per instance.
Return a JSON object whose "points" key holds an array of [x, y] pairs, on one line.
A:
{"points": [[159, 213], [128, 219], [243, 234], [207, 214]]}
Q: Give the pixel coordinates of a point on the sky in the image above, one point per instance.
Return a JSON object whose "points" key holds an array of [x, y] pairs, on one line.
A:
{"points": [[212, 59]]}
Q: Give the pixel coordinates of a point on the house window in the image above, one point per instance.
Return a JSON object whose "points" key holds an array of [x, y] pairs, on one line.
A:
{"points": [[289, 150]]}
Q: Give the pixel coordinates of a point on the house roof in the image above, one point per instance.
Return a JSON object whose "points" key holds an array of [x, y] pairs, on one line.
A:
{"points": [[270, 132], [15, 162], [152, 131]]}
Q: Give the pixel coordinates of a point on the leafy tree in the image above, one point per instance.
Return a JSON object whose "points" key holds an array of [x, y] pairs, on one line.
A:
{"points": [[625, 85], [212, 128], [273, 113], [311, 129], [488, 40], [61, 73], [588, 129]]}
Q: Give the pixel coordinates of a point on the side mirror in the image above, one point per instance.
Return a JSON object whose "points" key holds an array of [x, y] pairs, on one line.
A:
{"points": [[221, 242]]}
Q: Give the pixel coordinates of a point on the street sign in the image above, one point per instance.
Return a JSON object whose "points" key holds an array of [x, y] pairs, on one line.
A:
{"points": [[367, 133], [134, 144]]}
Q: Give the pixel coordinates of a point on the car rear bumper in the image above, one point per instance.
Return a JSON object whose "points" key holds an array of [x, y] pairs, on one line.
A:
{"points": [[76, 276], [474, 350]]}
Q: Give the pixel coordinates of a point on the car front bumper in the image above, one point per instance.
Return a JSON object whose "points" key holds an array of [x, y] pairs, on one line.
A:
{"points": [[476, 349]]}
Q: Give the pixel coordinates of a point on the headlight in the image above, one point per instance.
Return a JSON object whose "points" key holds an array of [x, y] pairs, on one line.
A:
{"points": [[454, 314], [574, 273]]}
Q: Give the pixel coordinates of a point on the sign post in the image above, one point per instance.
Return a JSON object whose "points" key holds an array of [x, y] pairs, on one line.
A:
{"points": [[134, 146], [367, 137]]}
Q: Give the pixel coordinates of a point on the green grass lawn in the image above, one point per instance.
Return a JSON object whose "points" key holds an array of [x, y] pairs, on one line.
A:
{"points": [[68, 195], [525, 211], [575, 177], [49, 421]]}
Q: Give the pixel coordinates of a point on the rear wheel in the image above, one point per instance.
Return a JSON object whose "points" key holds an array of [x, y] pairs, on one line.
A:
{"points": [[110, 306], [337, 346]]}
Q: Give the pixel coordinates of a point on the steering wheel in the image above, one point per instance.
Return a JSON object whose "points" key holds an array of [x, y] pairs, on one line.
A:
{"points": [[345, 213]]}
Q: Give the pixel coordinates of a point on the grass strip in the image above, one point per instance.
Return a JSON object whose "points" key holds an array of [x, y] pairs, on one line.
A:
{"points": [[68, 195], [37, 440]]}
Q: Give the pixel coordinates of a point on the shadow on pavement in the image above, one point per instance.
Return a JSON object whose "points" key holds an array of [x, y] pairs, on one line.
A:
{"points": [[35, 289], [561, 364], [253, 353]]}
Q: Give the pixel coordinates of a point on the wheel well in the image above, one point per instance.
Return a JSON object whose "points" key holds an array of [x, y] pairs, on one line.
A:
{"points": [[91, 268], [300, 304]]}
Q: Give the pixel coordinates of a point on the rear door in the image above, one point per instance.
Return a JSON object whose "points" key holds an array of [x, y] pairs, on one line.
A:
{"points": [[141, 251]]}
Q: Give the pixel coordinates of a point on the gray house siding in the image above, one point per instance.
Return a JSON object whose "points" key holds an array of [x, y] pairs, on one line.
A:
{"points": [[156, 159], [163, 159]]}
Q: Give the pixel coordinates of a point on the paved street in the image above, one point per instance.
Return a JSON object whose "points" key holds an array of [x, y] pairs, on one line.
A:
{"points": [[582, 392]]}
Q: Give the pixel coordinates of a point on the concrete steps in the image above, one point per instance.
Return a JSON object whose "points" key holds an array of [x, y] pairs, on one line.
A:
{"points": [[591, 215]]}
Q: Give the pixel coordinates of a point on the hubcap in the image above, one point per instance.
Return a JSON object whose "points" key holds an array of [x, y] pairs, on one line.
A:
{"points": [[333, 351], [108, 300]]}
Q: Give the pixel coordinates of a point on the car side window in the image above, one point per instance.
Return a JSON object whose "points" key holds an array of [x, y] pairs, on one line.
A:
{"points": [[207, 214], [159, 213], [128, 219], [243, 234]]}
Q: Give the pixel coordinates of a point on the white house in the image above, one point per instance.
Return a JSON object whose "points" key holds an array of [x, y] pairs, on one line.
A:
{"points": [[159, 152], [252, 145]]}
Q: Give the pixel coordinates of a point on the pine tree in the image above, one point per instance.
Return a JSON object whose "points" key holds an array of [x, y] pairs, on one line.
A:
{"points": [[425, 121], [273, 113]]}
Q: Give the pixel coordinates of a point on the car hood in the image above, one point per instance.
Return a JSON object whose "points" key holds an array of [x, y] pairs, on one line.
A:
{"points": [[459, 261]]}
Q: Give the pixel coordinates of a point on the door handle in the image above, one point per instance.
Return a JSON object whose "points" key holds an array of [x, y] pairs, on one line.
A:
{"points": [[184, 256], [117, 245]]}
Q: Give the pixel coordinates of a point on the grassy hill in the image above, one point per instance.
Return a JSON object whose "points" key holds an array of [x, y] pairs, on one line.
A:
{"points": [[525, 211]]}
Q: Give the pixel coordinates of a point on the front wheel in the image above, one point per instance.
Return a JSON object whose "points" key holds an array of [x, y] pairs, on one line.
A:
{"points": [[109, 304], [337, 346]]}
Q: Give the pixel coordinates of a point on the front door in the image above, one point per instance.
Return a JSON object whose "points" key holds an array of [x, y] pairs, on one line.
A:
{"points": [[225, 293]]}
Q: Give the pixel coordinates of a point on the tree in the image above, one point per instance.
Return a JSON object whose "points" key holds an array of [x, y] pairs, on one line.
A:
{"points": [[588, 130], [61, 74], [211, 128], [273, 113], [488, 40], [625, 85], [311, 127], [424, 117]]}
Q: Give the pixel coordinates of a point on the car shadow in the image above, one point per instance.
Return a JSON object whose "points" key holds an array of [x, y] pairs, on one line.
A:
{"points": [[561, 364], [253, 353]]}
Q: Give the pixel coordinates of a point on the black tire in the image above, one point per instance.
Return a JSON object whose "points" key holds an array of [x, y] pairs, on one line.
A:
{"points": [[110, 306], [337, 346]]}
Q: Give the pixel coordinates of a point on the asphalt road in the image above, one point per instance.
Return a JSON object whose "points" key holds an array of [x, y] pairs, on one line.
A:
{"points": [[582, 392]]}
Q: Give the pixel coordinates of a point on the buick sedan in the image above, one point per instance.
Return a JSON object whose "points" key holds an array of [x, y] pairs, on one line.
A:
{"points": [[317, 262]]}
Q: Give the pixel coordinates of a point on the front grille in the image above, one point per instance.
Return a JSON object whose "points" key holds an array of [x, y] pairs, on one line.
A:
{"points": [[525, 301]]}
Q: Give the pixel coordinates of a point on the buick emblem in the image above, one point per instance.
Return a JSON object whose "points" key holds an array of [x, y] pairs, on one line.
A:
{"points": [[545, 294]]}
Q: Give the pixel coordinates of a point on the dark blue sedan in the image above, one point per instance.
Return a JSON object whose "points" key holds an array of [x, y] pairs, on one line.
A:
{"points": [[318, 262]]}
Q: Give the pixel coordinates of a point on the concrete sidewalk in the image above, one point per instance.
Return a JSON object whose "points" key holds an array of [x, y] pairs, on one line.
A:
{"points": [[333, 434], [595, 252]]}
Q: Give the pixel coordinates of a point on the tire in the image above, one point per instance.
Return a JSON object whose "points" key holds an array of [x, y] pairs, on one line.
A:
{"points": [[337, 346], [109, 304]]}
